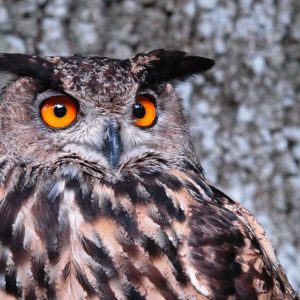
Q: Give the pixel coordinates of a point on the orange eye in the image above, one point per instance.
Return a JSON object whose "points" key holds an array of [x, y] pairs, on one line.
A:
{"points": [[58, 111], [144, 112]]}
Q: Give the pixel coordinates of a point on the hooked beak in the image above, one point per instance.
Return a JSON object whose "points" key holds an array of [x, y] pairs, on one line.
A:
{"points": [[112, 144]]}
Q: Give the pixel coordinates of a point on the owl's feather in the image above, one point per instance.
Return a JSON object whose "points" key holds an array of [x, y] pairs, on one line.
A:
{"points": [[161, 65], [103, 209]]}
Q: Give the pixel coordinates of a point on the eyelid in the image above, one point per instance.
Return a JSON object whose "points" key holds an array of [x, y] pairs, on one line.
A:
{"points": [[149, 94], [40, 97]]}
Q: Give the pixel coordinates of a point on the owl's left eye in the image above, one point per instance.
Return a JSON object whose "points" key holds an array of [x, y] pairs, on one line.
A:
{"points": [[144, 112], [58, 111]]}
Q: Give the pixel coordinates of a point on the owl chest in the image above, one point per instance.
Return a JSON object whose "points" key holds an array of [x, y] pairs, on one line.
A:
{"points": [[72, 239]]}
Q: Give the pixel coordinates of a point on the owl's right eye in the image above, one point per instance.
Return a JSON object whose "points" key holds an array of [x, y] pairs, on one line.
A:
{"points": [[58, 111]]}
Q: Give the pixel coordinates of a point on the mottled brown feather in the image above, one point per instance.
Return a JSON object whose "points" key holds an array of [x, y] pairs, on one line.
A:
{"points": [[141, 257]]}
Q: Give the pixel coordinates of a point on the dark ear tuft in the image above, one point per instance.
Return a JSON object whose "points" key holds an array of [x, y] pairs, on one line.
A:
{"points": [[25, 65], [162, 65]]}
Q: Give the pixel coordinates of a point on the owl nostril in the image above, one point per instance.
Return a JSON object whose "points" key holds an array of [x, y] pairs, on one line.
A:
{"points": [[112, 143]]}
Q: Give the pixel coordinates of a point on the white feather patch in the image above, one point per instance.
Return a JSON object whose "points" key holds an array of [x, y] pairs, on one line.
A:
{"points": [[196, 283]]}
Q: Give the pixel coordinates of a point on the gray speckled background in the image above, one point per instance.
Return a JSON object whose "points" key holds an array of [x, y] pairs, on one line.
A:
{"points": [[245, 114]]}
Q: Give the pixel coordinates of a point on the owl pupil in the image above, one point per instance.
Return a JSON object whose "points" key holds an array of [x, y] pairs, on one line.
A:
{"points": [[60, 110], [139, 111]]}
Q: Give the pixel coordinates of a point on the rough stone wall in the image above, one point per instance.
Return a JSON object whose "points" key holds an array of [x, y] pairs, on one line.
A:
{"points": [[245, 114]]}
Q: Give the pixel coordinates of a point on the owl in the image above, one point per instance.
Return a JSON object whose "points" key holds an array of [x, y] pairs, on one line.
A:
{"points": [[102, 195]]}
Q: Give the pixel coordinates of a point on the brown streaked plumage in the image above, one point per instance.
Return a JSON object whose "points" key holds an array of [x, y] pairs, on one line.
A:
{"points": [[104, 209]]}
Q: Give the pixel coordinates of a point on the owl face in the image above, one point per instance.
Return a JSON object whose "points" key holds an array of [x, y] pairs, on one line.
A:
{"points": [[104, 111]]}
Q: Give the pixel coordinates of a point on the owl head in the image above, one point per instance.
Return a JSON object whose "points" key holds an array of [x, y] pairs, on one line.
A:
{"points": [[106, 112]]}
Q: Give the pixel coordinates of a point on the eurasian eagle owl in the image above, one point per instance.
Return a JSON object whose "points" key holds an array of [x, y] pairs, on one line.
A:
{"points": [[101, 193]]}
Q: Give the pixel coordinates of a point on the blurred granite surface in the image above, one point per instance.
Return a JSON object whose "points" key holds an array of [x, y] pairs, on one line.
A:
{"points": [[244, 114]]}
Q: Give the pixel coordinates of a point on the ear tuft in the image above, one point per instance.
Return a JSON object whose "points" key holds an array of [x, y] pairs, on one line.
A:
{"points": [[167, 65], [25, 65]]}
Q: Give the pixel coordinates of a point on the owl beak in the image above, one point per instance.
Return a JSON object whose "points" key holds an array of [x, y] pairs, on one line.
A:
{"points": [[112, 144]]}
